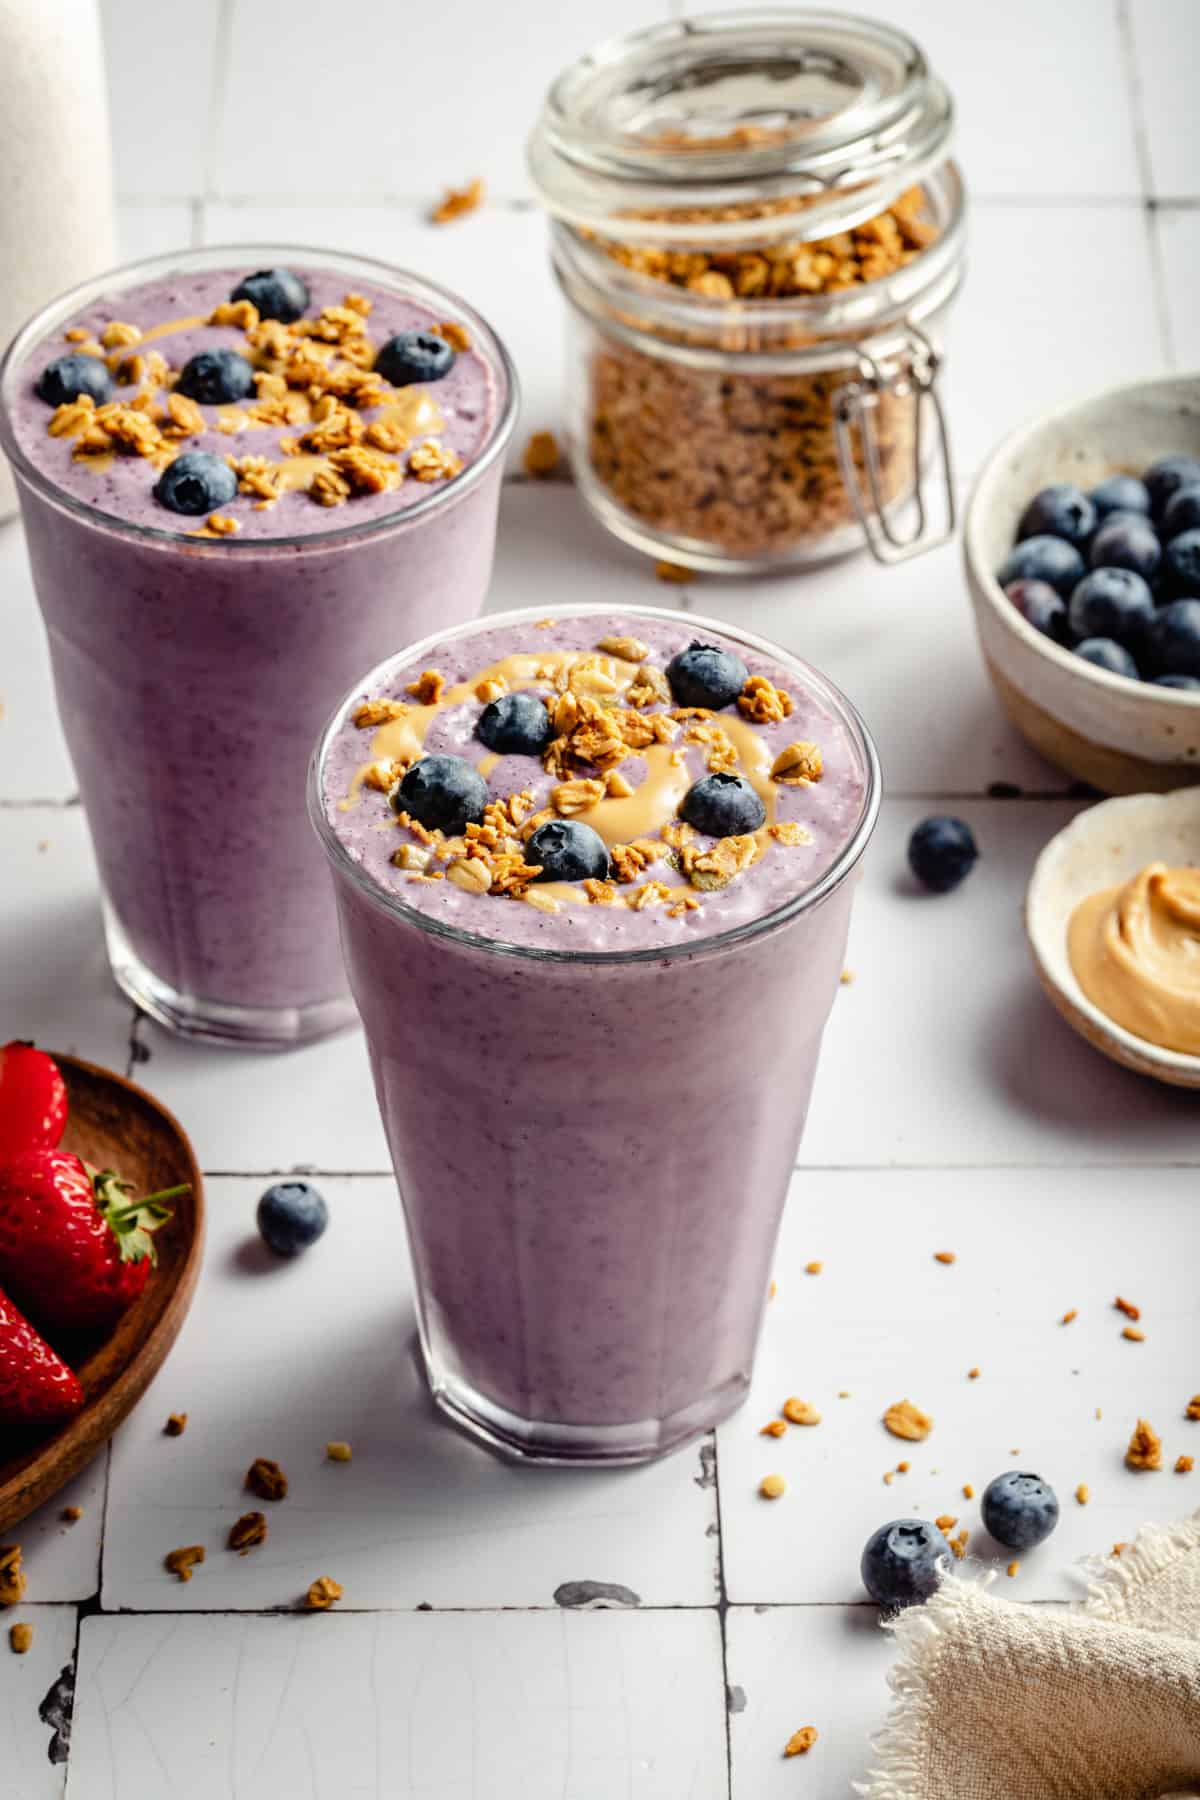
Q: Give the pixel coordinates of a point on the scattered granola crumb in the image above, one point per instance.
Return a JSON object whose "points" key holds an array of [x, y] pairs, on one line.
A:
{"points": [[959, 1545], [813, 1268], [801, 1742], [772, 1291], [800, 1412], [266, 1479], [72, 1514], [1117, 1548], [673, 573], [1099, 1414], [772, 1486], [246, 1532], [541, 456], [847, 978], [904, 1420], [338, 1452], [1184, 1465], [1128, 1308], [944, 1256], [902, 1468], [843, 1393], [1072, 1313], [12, 1575], [889, 1476], [1145, 1447], [20, 1639], [774, 1428], [946, 1521], [176, 1425], [972, 1374], [1135, 1334], [1083, 1493], [323, 1593], [181, 1562], [456, 202], [1012, 1568], [968, 1491], [1192, 1409]]}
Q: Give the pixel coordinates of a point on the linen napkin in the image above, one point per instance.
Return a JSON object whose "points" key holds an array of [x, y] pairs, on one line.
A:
{"points": [[1001, 1701]]}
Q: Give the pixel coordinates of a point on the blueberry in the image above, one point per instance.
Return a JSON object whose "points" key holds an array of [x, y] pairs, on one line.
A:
{"points": [[703, 675], [1189, 684], [277, 294], [216, 376], [1125, 544], [1111, 603], [1182, 511], [1061, 511], [1120, 493], [723, 806], [291, 1216], [1182, 558], [516, 724], [1166, 477], [443, 793], [196, 482], [1173, 640], [1019, 1510], [941, 853], [565, 850], [414, 356], [1043, 559], [1105, 653], [904, 1562], [69, 376], [1041, 607]]}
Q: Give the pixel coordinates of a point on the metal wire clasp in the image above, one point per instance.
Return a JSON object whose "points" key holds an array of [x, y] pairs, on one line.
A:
{"points": [[913, 374]]}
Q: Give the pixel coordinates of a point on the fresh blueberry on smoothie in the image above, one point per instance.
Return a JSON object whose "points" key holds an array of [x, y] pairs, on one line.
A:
{"points": [[568, 851], [723, 805], [414, 356], [703, 675], [274, 294], [216, 377], [195, 483], [516, 725], [67, 377], [442, 793]]}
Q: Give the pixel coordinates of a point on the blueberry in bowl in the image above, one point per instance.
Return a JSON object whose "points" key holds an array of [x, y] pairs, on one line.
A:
{"points": [[1106, 653], [1182, 512], [1043, 558], [1111, 603], [1173, 642], [1062, 511], [1164, 479], [1043, 608], [1127, 542], [1120, 494], [1182, 564]]}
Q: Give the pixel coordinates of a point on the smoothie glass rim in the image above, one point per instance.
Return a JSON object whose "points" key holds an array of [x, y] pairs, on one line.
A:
{"points": [[843, 710], [125, 276]]}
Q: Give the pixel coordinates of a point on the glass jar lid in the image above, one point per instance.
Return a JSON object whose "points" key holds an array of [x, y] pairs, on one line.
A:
{"points": [[762, 124]]}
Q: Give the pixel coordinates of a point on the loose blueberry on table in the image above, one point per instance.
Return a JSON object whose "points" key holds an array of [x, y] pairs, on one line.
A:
{"points": [[291, 1216], [196, 482], [703, 675], [903, 1562], [1019, 1509], [216, 377], [942, 852]]}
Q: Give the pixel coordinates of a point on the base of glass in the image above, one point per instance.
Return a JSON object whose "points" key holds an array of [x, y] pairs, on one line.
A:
{"points": [[547, 1445], [216, 1021]]}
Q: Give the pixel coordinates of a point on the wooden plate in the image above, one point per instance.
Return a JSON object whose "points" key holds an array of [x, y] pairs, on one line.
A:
{"points": [[115, 1125]]}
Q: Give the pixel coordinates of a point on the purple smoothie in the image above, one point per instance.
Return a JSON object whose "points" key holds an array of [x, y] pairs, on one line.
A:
{"points": [[193, 671], [594, 1111]]}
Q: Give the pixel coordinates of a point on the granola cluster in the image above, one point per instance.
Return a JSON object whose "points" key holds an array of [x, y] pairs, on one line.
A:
{"points": [[604, 708], [746, 462], [351, 433]]}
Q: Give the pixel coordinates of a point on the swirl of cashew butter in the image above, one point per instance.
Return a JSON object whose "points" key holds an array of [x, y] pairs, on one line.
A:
{"points": [[1135, 950]]}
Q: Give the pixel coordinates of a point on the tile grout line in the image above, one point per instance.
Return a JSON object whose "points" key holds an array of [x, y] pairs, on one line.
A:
{"points": [[1135, 95], [222, 58]]}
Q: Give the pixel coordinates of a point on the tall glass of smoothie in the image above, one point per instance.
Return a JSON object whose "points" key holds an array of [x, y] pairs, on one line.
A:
{"points": [[594, 877], [245, 474]]}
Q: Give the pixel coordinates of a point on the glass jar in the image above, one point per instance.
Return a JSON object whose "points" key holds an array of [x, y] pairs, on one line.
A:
{"points": [[759, 234]]}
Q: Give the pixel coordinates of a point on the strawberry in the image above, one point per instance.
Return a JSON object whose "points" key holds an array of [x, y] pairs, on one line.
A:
{"points": [[74, 1248], [36, 1386], [33, 1099]]}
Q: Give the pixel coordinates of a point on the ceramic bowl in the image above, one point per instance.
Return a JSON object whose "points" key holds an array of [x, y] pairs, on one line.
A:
{"points": [[1120, 736], [1101, 847]]}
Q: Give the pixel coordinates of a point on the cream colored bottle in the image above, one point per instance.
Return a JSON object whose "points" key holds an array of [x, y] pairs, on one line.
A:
{"points": [[56, 202]]}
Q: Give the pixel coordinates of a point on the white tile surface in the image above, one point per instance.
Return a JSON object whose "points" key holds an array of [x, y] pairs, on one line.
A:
{"points": [[27, 1772], [794, 1666], [1179, 242], [433, 104], [886, 1322], [1075, 137], [532, 1707], [944, 1050], [33, 755], [54, 980], [63, 1560], [419, 1515], [152, 230], [1166, 37], [161, 93]]}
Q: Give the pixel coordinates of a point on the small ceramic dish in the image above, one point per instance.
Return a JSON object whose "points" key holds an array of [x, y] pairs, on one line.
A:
{"points": [[113, 1124], [1122, 737], [1101, 847]]}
